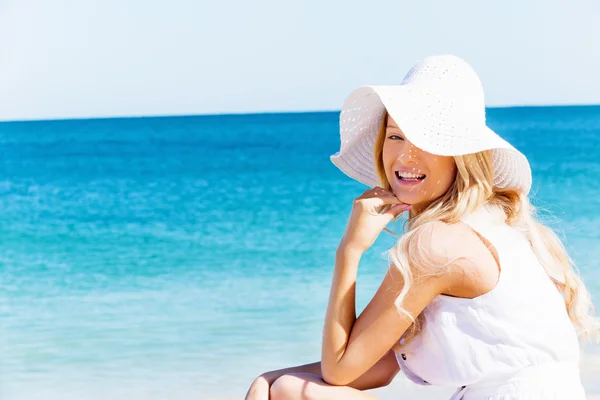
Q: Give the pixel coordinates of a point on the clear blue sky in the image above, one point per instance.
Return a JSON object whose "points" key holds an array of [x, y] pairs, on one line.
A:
{"points": [[80, 58]]}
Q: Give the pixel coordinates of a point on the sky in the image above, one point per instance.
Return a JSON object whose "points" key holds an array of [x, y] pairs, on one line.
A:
{"points": [[83, 58]]}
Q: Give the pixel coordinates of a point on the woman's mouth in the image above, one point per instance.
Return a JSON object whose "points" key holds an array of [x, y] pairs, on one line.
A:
{"points": [[409, 178]]}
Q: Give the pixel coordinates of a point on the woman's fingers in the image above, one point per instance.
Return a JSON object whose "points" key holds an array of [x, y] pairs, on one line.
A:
{"points": [[386, 196]]}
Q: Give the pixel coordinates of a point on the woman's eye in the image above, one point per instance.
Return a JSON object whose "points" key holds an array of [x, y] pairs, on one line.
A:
{"points": [[395, 137]]}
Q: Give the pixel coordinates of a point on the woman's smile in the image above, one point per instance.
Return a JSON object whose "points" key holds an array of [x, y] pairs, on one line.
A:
{"points": [[409, 177]]}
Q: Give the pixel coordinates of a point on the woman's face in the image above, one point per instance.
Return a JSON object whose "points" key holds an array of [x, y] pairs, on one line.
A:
{"points": [[416, 177]]}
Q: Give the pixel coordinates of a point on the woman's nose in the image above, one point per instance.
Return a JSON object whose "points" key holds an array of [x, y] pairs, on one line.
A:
{"points": [[411, 153]]}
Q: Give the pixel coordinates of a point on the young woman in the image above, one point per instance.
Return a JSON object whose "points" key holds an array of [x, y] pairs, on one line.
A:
{"points": [[478, 295]]}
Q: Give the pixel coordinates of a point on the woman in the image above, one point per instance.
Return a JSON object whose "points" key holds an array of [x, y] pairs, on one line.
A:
{"points": [[478, 295]]}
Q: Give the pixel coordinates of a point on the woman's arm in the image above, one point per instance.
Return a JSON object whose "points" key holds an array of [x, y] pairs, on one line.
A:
{"points": [[353, 345], [380, 375]]}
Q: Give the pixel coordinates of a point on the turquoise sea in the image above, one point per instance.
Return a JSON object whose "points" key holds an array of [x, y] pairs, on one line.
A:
{"points": [[178, 258]]}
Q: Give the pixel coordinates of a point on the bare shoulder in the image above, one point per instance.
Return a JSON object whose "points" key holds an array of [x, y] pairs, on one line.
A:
{"points": [[465, 261], [441, 242]]}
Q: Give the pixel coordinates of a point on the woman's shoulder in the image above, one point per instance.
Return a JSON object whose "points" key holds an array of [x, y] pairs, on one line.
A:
{"points": [[456, 253], [443, 238]]}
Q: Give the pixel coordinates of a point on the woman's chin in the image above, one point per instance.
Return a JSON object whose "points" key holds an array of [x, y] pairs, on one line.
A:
{"points": [[411, 197], [406, 198]]}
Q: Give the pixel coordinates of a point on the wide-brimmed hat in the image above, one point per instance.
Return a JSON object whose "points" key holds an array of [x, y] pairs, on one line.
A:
{"points": [[439, 106]]}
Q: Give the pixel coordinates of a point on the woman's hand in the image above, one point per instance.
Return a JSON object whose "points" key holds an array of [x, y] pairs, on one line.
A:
{"points": [[366, 223]]}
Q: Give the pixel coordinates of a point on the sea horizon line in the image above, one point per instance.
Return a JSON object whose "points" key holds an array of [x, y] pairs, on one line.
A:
{"points": [[255, 113]]}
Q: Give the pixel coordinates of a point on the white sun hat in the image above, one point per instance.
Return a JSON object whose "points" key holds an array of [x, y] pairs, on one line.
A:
{"points": [[439, 106]]}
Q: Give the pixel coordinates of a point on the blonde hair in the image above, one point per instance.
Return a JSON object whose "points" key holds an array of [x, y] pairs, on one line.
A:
{"points": [[473, 187]]}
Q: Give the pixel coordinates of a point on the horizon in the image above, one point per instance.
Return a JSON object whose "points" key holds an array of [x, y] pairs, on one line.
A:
{"points": [[239, 114]]}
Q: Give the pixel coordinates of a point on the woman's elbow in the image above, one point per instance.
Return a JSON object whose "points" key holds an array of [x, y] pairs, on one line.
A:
{"points": [[334, 377], [386, 381], [335, 380]]}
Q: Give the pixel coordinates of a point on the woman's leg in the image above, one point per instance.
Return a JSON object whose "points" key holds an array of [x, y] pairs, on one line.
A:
{"points": [[301, 386]]}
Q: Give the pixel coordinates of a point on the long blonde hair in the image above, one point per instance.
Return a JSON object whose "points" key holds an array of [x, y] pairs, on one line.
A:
{"points": [[473, 187]]}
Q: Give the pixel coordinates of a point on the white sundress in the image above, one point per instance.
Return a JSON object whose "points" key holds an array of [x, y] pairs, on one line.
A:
{"points": [[515, 342]]}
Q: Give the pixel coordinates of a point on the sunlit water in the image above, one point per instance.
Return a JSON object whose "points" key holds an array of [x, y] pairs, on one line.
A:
{"points": [[180, 257]]}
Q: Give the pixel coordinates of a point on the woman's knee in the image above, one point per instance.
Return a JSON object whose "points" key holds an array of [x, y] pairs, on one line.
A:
{"points": [[295, 387]]}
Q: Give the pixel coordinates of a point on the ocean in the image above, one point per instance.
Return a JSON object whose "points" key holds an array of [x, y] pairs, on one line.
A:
{"points": [[180, 257]]}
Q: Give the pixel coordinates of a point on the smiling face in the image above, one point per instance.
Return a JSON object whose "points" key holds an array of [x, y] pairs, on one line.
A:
{"points": [[415, 176]]}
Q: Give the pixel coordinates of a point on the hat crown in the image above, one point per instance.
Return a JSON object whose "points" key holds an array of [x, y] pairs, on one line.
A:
{"points": [[453, 83]]}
